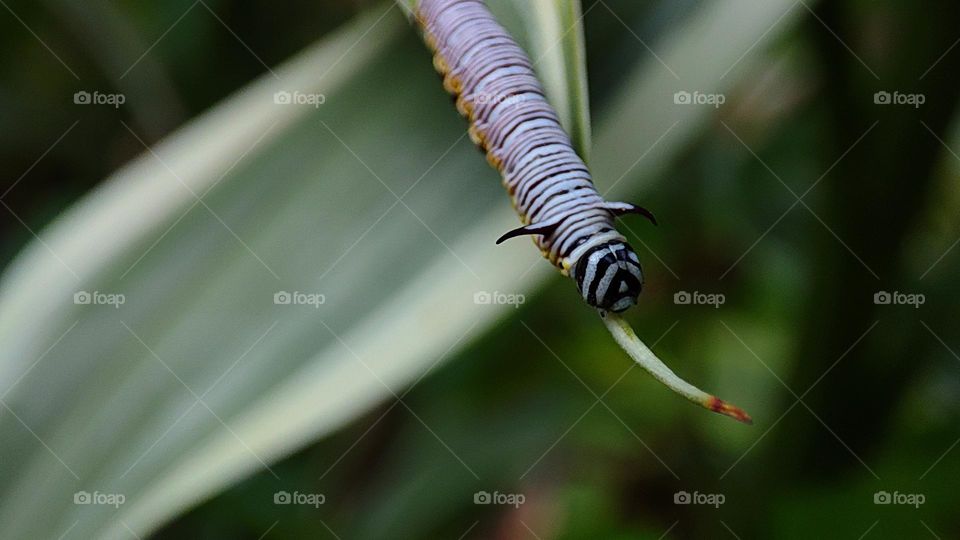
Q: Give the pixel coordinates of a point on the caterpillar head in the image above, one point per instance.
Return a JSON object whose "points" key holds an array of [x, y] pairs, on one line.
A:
{"points": [[609, 277]]}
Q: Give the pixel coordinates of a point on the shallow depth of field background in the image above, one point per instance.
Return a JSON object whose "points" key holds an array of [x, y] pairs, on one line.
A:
{"points": [[853, 400]]}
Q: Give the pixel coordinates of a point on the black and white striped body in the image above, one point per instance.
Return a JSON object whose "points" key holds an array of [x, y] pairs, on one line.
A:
{"points": [[511, 120]]}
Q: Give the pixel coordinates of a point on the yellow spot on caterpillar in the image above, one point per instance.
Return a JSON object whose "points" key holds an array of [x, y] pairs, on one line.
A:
{"points": [[475, 135], [429, 39], [494, 161], [440, 64], [465, 107], [452, 84]]}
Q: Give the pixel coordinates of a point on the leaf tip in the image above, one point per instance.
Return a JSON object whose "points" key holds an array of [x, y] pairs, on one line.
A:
{"points": [[718, 405]]}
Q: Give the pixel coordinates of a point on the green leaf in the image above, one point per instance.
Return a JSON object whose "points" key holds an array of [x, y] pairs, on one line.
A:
{"points": [[374, 199]]}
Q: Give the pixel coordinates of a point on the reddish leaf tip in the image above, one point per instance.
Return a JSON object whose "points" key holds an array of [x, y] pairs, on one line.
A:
{"points": [[728, 409]]}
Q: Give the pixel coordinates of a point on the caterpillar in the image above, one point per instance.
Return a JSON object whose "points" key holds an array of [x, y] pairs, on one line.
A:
{"points": [[496, 89]]}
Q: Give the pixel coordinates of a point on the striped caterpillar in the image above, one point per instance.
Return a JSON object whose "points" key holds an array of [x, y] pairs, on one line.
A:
{"points": [[497, 91]]}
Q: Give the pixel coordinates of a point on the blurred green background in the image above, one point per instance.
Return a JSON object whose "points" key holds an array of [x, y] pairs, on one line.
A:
{"points": [[799, 199]]}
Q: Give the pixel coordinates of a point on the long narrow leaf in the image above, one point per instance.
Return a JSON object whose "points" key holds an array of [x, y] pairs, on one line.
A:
{"points": [[199, 378]]}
